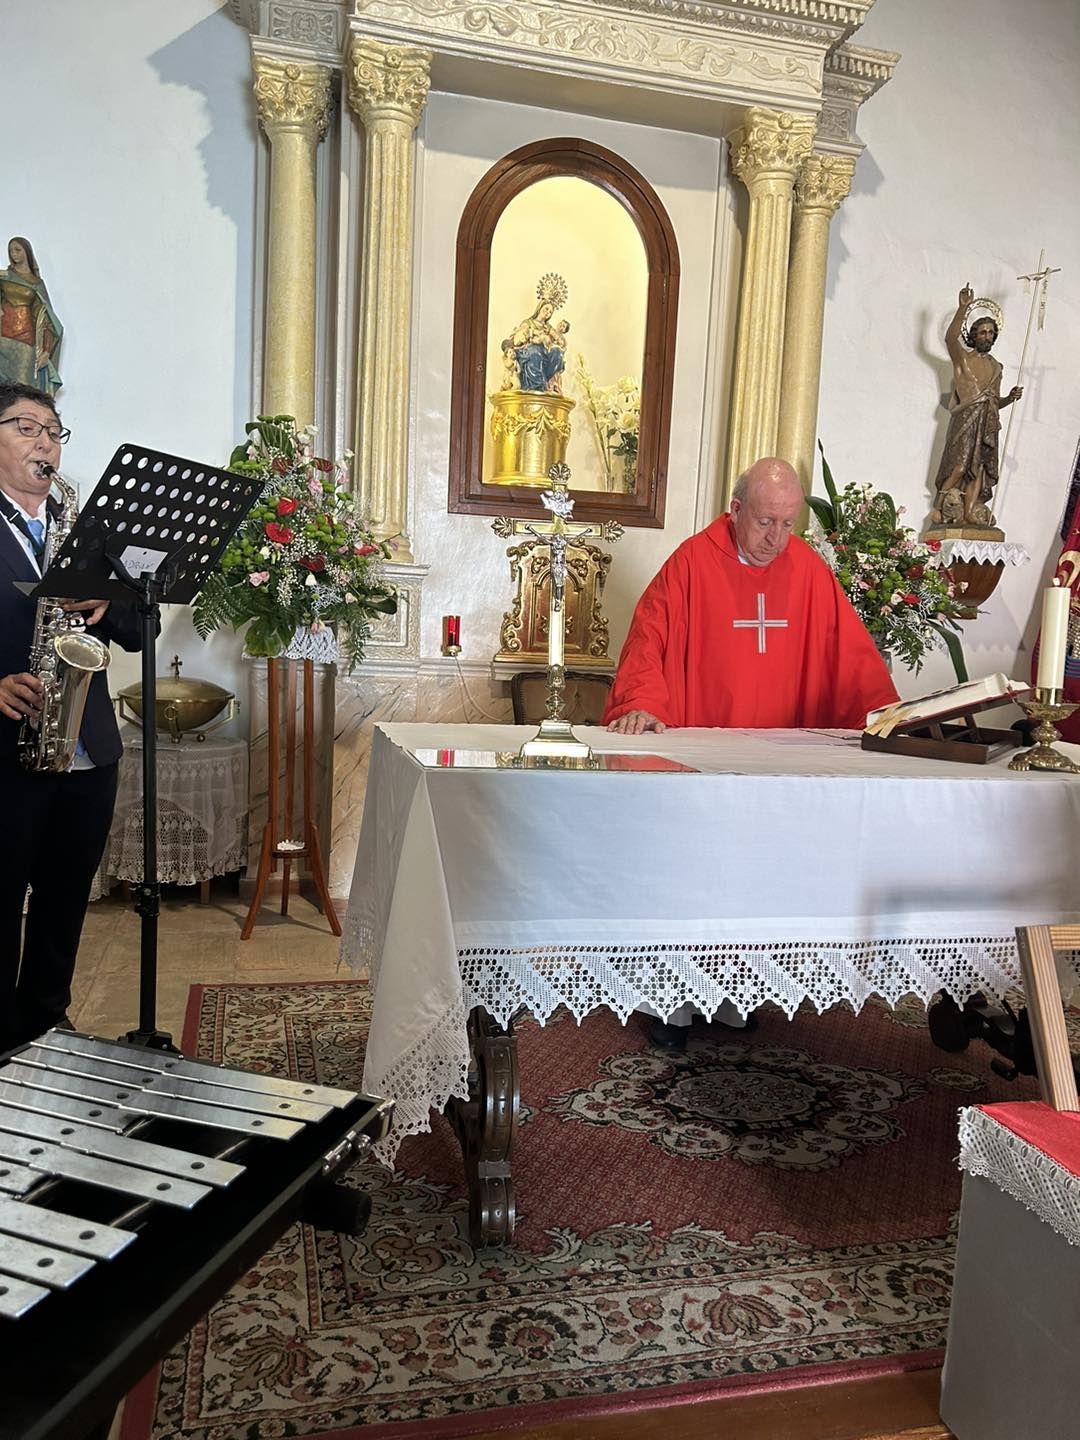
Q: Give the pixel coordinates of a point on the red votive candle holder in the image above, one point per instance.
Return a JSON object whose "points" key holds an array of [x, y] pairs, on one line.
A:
{"points": [[451, 634]]}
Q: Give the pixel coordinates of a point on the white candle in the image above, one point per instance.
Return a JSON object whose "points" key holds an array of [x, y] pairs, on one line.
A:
{"points": [[1052, 637]]}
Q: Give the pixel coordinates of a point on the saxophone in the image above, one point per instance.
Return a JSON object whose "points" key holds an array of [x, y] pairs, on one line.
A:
{"points": [[62, 656]]}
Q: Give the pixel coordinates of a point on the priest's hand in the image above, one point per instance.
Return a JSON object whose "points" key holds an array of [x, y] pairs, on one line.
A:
{"points": [[636, 722]]}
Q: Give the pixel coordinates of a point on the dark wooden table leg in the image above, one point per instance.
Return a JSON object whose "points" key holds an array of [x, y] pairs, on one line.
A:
{"points": [[486, 1125]]}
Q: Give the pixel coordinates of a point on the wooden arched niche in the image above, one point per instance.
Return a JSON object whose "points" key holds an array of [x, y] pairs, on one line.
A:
{"points": [[475, 342]]}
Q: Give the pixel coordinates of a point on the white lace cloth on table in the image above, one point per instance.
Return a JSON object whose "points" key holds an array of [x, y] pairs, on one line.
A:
{"points": [[623, 978], [202, 811], [997, 552], [1016, 1166], [663, 890]]}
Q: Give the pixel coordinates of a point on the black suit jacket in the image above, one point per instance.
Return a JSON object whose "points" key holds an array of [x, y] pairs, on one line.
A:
{"points": [[120, 625]]}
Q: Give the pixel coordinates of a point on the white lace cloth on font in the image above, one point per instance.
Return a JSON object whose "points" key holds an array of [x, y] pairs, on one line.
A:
{"points": [[1013, 1164], [202, 811], [794, 867]]}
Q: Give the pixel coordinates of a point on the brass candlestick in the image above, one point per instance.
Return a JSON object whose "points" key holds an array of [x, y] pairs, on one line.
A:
{"points": [[1045, 706]]}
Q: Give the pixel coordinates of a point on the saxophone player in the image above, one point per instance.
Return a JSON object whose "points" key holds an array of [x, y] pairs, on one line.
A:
{"points": [[55, 824]]}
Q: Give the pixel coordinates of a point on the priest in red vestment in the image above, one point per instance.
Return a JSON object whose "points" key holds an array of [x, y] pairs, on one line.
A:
{"points": [[745, 626]]}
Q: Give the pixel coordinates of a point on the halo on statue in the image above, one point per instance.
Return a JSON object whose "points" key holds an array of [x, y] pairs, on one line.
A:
{"points": [[553, 289], [990, 310]]}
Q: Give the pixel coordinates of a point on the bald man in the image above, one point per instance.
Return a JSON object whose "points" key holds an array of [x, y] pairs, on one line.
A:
{"points": [[746, 627]]}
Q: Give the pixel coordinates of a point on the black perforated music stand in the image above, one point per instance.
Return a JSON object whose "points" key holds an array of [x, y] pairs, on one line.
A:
{"points": [[155, 526]]}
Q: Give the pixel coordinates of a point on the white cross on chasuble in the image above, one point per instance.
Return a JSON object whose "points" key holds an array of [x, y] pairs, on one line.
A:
{"points": [[760, 624]]}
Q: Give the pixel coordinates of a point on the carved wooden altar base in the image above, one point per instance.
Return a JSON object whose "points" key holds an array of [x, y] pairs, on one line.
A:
{"points": [[486, 1126]]}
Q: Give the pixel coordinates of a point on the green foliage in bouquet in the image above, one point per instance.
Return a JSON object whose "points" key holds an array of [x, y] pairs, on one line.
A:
{"points": [[302, 558], [892, 578]]}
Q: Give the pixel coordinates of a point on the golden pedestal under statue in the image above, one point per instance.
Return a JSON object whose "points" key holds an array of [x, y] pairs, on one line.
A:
{"points": [[529, 430]]}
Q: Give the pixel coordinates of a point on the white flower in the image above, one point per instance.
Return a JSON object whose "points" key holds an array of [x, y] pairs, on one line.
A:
{"points": [[350, 597], [264, 553], [311, 582]]}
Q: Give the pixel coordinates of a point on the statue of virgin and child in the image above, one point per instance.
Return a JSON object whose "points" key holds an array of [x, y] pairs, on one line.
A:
{"points": [[534, 353]]}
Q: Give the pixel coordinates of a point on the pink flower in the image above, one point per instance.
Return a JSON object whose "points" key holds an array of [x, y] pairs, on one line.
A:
{"points": [[366, 549], [258, 577]]}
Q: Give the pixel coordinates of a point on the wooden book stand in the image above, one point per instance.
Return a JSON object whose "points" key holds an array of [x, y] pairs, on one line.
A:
{"points": [[952, 735], [277, 841]]}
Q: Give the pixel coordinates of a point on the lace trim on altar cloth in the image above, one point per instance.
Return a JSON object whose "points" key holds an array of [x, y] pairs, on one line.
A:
{"points": [[422, 1080], [790, 972], [1014, 1165], [997, 552]]}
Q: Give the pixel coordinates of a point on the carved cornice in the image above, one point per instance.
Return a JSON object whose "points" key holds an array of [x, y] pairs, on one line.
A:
{"points": [[806, 20], [864, 69], [291, 96], [647, 45], [388, 80], [770, 142], [823, 182], [852, 74]]}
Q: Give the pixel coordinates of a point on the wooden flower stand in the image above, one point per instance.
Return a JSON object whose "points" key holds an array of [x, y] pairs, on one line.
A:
{"points": [[278, 842]]}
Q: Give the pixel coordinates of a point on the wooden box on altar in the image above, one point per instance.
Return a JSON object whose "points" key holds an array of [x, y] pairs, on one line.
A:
{"points": [[1010, 1363]]}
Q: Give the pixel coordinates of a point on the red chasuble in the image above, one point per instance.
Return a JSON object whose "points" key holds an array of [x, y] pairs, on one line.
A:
{"points": [[715, 642]]}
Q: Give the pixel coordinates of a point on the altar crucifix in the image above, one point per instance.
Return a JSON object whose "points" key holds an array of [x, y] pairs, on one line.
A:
{"points": [[555, 739]]}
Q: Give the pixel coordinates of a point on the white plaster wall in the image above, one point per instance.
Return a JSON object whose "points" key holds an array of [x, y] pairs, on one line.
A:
{"points": [[131, 168], [970, 168], [461, 138]]}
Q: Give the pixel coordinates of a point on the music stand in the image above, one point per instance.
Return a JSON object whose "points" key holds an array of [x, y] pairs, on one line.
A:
{"points": [[156, 525]]}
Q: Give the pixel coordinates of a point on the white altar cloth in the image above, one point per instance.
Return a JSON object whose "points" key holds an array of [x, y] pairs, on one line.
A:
{"points": [[795, 866]]}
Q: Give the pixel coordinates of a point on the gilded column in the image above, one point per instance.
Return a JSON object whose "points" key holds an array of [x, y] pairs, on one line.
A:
{"points": [[388, 87], [766, 151], [823, 182], [293, 103]]}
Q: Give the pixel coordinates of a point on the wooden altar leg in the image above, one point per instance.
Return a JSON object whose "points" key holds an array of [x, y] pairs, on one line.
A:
{"points": [[486, 1125], [266, 853], [311, 833]]}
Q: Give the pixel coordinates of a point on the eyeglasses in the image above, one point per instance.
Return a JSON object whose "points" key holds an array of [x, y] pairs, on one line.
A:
{"points": [[31, 429]]}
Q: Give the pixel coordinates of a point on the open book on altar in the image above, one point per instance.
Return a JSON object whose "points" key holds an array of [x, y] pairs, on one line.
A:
{"points": [[971, 695], [920, 727]]}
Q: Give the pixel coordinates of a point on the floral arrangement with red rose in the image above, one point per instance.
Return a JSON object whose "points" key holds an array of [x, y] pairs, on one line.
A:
{"points": [[302, 558], [906, 600]]}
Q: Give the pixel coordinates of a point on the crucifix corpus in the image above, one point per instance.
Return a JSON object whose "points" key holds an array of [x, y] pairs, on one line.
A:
{"points": [[555, 740]]}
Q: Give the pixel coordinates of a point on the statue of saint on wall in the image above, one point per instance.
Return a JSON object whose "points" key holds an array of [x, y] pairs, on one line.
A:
{"points": [[968, 471], [30, 333], [534, 353]]}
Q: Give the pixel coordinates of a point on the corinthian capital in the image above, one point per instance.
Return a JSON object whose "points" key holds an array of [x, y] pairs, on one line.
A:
{"points": [[823, 181], [770, 142], [388, 80], [292, 96]]}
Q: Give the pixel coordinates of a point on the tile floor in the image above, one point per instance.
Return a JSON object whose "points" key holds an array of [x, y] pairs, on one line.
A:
{"points": [[197, 944]]}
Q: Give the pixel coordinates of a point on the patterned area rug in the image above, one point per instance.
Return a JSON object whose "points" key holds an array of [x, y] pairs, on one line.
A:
{"points": [[770, 1208]]}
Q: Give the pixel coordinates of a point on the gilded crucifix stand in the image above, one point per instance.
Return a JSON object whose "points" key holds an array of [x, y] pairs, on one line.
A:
{"points": [[555, 741]]}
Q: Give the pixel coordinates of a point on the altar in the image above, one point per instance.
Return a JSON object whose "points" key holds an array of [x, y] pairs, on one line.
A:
{"points": [[786, 866]]}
